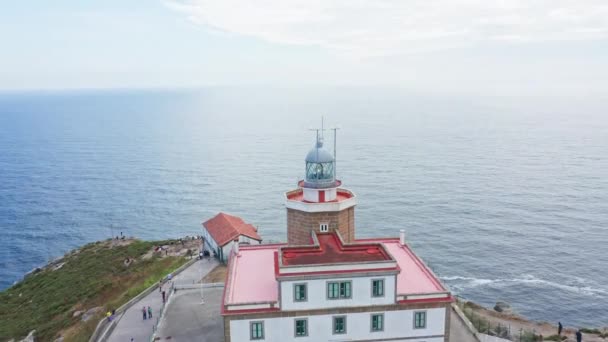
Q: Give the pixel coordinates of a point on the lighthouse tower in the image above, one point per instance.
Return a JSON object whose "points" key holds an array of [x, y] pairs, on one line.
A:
{"points": [[319, 203]]}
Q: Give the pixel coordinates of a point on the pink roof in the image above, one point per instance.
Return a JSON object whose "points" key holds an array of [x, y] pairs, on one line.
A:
{"points": [[414, 277], [331, 250], [251, 276], [225, 228]]}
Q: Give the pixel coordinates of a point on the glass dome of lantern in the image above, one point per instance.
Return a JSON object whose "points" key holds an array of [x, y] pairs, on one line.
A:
{"points": [[320, 167]]}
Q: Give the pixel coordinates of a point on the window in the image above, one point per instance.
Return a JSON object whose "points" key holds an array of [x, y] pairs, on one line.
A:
{"points": [[333, 290], [378, 288], [420, 320], [336, 290], [340, 325], [324, 227], [377, 322], [345, 289], [301, 326], [299, 292], [320, 171], [257, 330]]}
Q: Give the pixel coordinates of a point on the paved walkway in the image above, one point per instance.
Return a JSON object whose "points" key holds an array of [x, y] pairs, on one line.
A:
{"points": [[132, 324], [187, 320]]}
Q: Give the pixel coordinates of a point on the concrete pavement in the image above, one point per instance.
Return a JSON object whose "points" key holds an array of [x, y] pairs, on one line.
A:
{"points": [[131, 323], [187, 320]]}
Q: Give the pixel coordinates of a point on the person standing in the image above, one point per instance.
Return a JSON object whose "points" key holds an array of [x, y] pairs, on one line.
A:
{"points": [[559, 328], [149, 312], [579, 336], [163, 293], [143, 310]]}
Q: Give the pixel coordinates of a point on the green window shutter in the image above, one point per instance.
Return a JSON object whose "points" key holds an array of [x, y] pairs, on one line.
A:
{"points": [[301, 329], [339, 325], [378, 288], [420, 320], [345, 289], [300, 292], [257, 331], [333, 290]]}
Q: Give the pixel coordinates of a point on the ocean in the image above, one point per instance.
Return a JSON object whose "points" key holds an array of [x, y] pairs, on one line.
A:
{"points": [[504, 198]]}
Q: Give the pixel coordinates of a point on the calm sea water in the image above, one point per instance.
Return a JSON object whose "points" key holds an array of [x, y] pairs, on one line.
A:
{"points": [[506, 200]]}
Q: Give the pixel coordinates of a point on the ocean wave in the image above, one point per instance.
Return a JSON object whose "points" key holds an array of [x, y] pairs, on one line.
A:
{"points": [[463, 283]]}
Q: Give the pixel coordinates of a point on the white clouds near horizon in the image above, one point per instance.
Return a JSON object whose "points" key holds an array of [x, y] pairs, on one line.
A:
{"points": [[391, 27]]}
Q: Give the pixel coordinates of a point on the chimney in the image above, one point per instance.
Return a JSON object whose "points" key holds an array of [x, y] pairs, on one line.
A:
{"points": [[236, 247], [402, 237]]}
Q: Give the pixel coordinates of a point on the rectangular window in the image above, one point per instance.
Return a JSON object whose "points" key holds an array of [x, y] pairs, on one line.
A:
{"points": [[340, 325], [299, 294], [420, 320], [336, 290], [378, 288], [377, 322], [324, 227], [301, 327], [345, 289], [257, 330], [333, 290]]}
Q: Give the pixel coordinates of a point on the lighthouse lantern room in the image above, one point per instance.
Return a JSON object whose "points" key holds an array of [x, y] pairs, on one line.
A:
{"points": [[319, 203]]}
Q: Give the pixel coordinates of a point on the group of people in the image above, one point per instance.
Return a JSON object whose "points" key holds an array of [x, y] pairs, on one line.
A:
{"points": [[110, 315], [147, 312], [579, 334]]}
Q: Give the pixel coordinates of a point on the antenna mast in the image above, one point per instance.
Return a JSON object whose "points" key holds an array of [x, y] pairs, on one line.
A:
{"points": [[335, 129]]}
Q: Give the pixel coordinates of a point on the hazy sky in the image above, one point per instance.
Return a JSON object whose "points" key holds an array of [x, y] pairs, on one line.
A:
{"points": [[527, 46]]}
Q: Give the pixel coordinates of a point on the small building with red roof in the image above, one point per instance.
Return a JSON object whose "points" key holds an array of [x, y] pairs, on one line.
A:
{"points": [[221, 232]]}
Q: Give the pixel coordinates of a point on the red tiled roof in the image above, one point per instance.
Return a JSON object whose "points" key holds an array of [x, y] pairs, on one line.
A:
{"points": [[331, 250], [225, 228]]}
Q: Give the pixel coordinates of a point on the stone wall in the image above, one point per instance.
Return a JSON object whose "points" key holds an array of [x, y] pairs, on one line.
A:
{"points": [[300, 224]]}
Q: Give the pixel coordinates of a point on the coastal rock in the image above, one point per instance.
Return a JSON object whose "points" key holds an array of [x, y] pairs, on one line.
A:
{"points": [[59, 339], [90, 313], [503, 307], [77, 313], [58, 266], [29, 337]]}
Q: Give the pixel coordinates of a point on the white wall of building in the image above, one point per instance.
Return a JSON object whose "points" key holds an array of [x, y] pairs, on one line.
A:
{"points": [[242, 239], [211, 244], [397, 324], [361, 290]]}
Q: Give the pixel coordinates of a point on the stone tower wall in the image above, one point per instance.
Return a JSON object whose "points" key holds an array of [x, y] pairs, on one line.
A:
{"points": [[301, 223]]}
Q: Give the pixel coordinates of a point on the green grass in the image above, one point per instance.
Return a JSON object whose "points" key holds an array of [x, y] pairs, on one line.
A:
{"points": [[96, 276]]}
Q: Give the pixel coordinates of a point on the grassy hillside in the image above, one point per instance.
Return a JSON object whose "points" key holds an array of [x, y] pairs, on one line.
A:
{"points": [[95, 275]]}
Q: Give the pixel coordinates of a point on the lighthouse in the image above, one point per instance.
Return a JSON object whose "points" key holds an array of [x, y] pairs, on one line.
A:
{"points": [[324, 285], [319, 203]]}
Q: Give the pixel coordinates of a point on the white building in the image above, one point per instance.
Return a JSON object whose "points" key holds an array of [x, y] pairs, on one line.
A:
{"points": [[325, 285], [221, 231]]}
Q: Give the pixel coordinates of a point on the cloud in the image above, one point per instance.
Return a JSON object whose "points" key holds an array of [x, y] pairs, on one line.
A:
{"points": [[388, 27]]}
